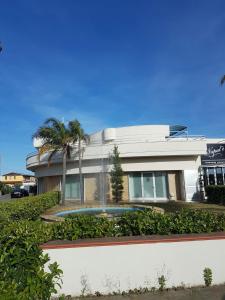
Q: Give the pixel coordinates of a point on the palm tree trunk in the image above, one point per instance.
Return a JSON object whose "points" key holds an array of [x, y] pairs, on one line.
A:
{"points": [[81, 176], [63, 190]]}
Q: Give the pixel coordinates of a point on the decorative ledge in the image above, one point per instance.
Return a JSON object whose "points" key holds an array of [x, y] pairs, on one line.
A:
{"points": [[133, 240]]}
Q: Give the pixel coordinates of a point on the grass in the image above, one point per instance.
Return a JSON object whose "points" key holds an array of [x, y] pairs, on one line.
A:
{"points": [[172, 206]]}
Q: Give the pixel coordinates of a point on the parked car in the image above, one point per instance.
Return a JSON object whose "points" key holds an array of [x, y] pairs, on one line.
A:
{"points": [[19, 193]]}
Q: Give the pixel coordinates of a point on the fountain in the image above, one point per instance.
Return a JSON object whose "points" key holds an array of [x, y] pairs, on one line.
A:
{"points": [[103, 209]]}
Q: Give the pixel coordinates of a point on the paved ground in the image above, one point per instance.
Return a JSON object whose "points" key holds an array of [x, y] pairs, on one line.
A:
{"points": [[212, 293], [5, 197]]}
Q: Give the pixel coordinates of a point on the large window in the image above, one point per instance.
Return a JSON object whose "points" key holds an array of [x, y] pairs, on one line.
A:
{"points": [[219, 176], [135, 185], [148, 185], [214, 176], [72, 187]]}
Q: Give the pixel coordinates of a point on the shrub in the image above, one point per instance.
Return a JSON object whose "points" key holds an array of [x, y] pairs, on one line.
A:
{"points": [[4, 188], [138, 223], [23, 272], [187, 221], [197, 221], [207, 275], [144, 222], [84, 226], [28, 208], [162, 282], [215, 194]]}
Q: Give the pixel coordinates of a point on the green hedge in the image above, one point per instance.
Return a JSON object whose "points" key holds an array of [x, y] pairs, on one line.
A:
{"points": [[23, 271], [4, 188], [215, 194], [28, 208], [144, 222], [22, 264]]}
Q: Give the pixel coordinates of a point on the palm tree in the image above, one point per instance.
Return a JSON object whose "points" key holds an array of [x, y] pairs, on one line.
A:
{"points": [[81, 136], [58, 138], [222, 80]]}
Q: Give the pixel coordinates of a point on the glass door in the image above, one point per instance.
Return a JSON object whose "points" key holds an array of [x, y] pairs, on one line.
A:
{"points": [[148, 186], [72, 187], [211, 176], [135, 184], [160, 185], [219, 176]]}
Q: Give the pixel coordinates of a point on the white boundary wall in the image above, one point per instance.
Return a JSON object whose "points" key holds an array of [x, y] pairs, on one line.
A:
{"points": [[123, 267]]}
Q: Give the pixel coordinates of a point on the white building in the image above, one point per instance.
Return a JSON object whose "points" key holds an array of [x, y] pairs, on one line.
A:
{"points": [[160, 163]]}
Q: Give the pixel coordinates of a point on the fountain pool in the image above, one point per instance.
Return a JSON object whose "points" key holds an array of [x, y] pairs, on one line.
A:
{"points": [[114, 211]]}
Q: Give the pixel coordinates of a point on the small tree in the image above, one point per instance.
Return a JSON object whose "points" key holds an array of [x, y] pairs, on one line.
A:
{"points": [[116, 176], [4, 188]]}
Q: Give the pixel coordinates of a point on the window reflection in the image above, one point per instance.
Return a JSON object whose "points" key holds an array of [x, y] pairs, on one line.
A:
{"points": [[219, 176], [211, 176]]}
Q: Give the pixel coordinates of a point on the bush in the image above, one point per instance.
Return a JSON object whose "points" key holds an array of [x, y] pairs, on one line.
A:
{"points": [[84, 226], [28, 208], [138, 223], [22, 264], [4, 188], [23, 272], [215, 194], [207, 275]]}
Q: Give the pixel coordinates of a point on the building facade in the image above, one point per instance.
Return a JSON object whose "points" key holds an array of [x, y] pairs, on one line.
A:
{"points": [[13, 179], [160, 163]]}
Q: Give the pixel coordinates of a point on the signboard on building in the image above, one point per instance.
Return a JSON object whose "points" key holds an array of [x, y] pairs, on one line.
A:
{"points": [[215, 155]]}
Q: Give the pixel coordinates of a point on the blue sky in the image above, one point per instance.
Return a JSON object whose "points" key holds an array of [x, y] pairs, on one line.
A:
{"points": [[109, 63]]}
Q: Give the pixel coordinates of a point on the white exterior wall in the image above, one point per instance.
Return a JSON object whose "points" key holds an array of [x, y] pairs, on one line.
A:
{"points": [[142, 148], [119, 268], [132, 149], [128, 165], [190, 178]]}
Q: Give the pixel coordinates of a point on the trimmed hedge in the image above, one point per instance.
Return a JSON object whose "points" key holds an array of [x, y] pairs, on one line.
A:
{"points": [[215, 194], [145, 222], [25, 272], [22, 265], [28, 208]]}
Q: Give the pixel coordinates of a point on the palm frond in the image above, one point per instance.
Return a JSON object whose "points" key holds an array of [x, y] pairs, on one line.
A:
{"points": [[222, 80], [53, 122], [74, 128], [52, 153], [59, 126], [42, 150], [49, 135], [68, 151]]}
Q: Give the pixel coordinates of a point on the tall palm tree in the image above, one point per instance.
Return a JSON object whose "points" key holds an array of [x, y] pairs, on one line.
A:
{"points": [[58, 138], [81, 137]]}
